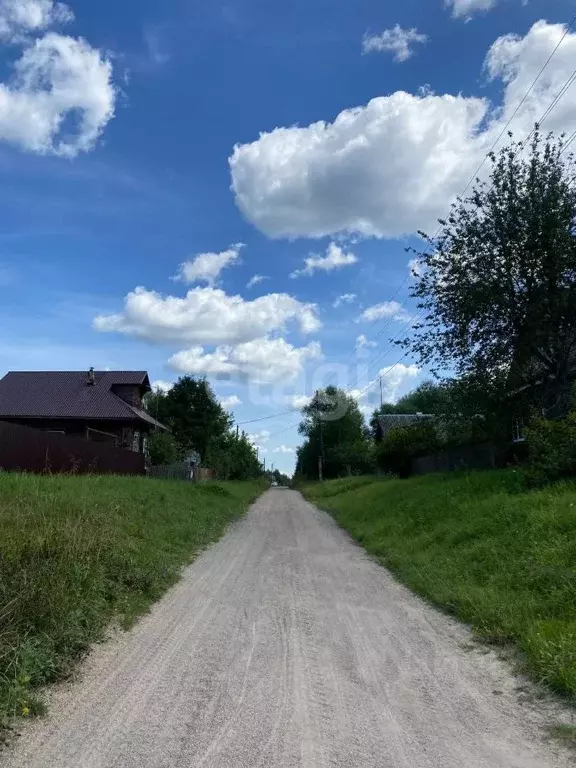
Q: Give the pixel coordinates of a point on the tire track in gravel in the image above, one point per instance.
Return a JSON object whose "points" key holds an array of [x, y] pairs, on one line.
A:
{"points": [[285, 646]]}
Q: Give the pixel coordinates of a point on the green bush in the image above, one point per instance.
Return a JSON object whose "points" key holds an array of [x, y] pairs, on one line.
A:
{"points": [[163, 448], [401, 444], [551, 450]]}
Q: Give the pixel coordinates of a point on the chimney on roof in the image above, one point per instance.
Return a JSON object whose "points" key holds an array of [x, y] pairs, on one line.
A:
{"points": [[91, 378]]}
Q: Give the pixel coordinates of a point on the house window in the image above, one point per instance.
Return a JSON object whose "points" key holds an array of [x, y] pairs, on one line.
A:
{"points": [[97, 436], [136, 442]]}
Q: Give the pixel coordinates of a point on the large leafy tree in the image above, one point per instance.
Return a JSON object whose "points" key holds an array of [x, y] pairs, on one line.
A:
{"points": [[192, 412], [233, 457], [334, 428], [497, 287]]}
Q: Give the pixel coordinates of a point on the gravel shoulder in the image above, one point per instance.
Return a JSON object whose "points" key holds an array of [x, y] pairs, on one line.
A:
{"points": [[285, 646]]}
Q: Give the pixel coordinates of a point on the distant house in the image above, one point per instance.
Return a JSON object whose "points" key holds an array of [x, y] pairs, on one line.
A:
{"points": [[100, 406]]}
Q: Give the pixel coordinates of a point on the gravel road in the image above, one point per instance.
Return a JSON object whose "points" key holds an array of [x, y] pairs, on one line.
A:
{"points": [[285, 646]]}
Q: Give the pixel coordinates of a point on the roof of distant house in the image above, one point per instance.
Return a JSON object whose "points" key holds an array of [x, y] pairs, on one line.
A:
{"points": [[68, 395]]}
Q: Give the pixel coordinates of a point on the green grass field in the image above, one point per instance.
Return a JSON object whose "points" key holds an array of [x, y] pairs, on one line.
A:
{"points": [[480, 547], [77, 552]]}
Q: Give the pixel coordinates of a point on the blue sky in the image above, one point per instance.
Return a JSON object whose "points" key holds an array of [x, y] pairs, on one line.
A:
{"points": [[242, 139]]}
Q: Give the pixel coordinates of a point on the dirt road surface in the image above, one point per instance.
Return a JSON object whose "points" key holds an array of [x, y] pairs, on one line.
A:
{"points": [[285, 646]]}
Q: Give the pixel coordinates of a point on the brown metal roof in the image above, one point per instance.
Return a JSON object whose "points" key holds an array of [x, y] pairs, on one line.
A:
{"points": [[66, 395]]}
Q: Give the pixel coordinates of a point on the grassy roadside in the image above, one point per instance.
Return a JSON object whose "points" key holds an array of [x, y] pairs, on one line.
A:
{"points": [[480, 547], [76, 552]]}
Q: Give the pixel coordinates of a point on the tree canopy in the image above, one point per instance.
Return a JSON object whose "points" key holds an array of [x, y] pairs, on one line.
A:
{"points": [[334, 428], [192, 412], [497, 287], [199, 423]]}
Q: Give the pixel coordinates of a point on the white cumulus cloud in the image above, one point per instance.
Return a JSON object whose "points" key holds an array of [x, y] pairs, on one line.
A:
{"points": [[206, 267], [163, 386], [395, 380], [392, 166], [345, 298], [467, 8], [59, 99], [387, 309], [336, 258], [255, 280], [263, 361], [230, 402], [259, 437], [396, 40], [206, 316], [362, 342], [300, 401], [20, 17], [283, 449]]}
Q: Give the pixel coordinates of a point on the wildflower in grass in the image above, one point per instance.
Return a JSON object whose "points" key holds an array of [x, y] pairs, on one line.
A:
{"points": [[25, 710]]}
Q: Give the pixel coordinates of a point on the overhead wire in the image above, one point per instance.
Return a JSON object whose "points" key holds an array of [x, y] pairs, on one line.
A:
{"points": [[559, 96]]}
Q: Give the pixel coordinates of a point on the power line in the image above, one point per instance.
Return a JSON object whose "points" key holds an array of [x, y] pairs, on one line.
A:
{"points": [[521, 103], [267, 418], [566, 146], [544, 116]]}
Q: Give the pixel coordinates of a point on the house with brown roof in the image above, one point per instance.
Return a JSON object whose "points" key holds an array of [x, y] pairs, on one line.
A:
{"points": [[100, 406]]}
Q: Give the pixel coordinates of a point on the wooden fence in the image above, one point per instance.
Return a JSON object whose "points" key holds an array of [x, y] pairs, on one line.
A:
{"points": [[25, 449], [181, 470], [482, 456]]}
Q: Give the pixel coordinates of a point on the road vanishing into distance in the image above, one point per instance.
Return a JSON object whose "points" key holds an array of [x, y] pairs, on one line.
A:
{"points": [[286, 646]]}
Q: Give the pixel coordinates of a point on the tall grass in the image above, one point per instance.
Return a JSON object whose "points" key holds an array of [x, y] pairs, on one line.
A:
{"points": [[482, 548], [77, 551]]}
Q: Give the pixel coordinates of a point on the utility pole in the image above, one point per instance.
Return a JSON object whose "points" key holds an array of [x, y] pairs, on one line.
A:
{"points": [[321, 456], [381, 395]]}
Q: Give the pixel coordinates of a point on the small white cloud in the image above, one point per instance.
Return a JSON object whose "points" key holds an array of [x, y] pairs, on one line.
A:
{"points": [[362, 342], [259, 437], [206, 267], [391, 309], [255, 280], [157, 52], [259, 440], [335, 258], [283, 449], [346, 298], [467, 8], [163, 386], [396, 40], [264, 361], [300, 401], [206, 316], [395, 378], [20, 17], [230, 402]]}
